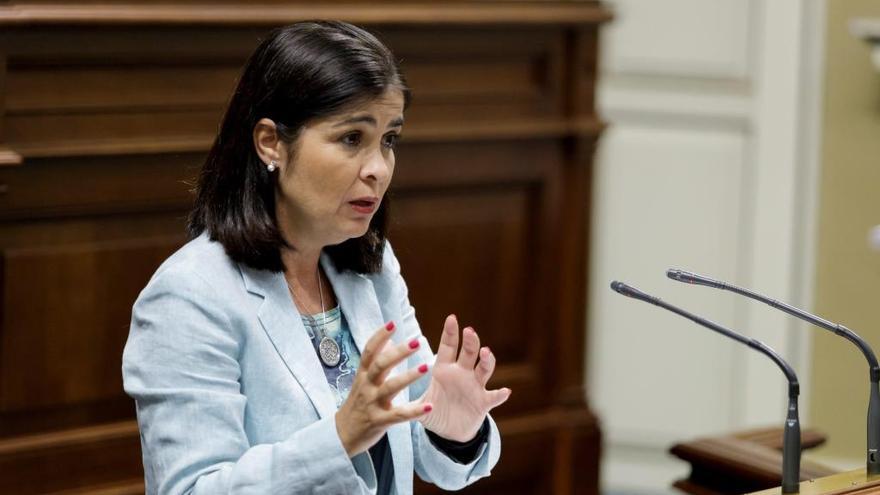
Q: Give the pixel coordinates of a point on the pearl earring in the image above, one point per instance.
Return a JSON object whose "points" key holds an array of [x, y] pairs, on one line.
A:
{"points": [[272, 166]]}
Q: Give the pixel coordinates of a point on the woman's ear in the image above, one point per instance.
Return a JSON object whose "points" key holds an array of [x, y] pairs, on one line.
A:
{"points": [[267, 144]]}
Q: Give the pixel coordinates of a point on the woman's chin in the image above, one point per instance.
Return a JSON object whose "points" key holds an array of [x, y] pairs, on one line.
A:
{"points": [[351, 233]]}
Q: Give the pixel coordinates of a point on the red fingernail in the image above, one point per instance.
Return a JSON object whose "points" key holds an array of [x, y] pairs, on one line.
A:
{"points": [[428, 408], [423, 368], [389, 326], [414, 344]]}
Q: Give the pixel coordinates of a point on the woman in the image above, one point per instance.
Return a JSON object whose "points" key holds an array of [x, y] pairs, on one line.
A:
{"points": [[277, 351]]}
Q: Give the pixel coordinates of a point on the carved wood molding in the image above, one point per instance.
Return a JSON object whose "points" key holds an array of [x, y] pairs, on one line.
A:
{"points": [[531, 13], [482, 131]]}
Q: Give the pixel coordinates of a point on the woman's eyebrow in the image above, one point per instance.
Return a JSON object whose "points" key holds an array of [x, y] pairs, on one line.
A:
{"points": [[368, 119]]}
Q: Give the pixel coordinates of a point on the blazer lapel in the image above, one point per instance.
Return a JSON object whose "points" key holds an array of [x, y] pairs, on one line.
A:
{"points": [[282, 323], [357, 299]]}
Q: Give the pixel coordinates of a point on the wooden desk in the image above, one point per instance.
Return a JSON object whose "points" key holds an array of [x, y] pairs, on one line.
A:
{"points": [[742, 462], [851, 482]]}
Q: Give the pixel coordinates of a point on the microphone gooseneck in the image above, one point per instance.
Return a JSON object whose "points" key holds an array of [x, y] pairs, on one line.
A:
{"points": [[791, 439], [873, 454]]}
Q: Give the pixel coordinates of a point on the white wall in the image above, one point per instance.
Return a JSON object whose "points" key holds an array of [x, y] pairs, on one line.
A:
{"points": [[709, 165]]}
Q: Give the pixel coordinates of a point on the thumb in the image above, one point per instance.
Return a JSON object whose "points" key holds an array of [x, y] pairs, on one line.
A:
{"points": [[498, 397]]}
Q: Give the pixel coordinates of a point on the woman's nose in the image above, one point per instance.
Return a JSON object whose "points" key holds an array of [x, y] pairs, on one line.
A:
{"points": [[378, 166]]}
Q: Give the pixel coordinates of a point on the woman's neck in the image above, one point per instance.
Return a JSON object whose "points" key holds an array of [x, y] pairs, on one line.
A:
{"points": [[302, 272], [301, 263]]}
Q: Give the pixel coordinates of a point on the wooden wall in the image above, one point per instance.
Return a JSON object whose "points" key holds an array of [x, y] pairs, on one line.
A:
{"points": [[106, 112]]}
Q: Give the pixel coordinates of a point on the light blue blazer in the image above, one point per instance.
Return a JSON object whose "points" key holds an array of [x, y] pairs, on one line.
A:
{"points": [[231, 396]]}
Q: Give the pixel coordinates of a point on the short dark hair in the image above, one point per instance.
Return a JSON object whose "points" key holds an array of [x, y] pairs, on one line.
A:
{"points": [[299, 72]]}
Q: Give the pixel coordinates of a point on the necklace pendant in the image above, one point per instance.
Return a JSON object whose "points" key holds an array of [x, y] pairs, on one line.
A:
{"points": [[328, 350]]}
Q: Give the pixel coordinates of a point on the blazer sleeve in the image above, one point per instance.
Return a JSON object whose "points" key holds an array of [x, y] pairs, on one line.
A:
{"points": [[180, 365], [431, 463]]}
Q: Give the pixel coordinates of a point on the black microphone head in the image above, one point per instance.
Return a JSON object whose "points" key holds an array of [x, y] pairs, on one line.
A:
{"points": [[628, 291], [693, 278]]}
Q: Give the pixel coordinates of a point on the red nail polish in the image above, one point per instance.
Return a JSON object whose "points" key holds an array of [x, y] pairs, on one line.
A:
{"points": [[423, 368], [414, 344], [428, 408], [389, 326]]}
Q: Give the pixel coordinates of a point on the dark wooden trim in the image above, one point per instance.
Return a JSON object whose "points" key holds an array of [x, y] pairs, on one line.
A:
{"points": [[7, 155], [130, 487], [439, 13], [477, 131], [68, 438], [82, 460]]}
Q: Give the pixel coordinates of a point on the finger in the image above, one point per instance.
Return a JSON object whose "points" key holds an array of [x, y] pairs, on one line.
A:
{"points": [[486, 367], [389, 358], [470, 346], [448, 348], [408, 412], [376, 344], [498, 397], [392, 386]]}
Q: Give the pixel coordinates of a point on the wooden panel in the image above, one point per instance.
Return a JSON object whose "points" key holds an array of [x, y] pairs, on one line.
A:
{"points": [[118, 98], [65, 319], [57, 89], [139, 184], [532, 457], [84, 457], [113, 108], [478, 247], [441, 165], [507, 74], [468, 235], [76, 109], [191, 13], [14, 424], [7, 156]]}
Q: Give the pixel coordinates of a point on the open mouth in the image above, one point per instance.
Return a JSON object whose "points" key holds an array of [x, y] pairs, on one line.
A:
{"points": [[363, 205]]}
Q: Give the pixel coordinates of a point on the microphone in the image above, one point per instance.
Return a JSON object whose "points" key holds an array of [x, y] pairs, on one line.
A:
{"points": [[791, 437], [873, 454]]}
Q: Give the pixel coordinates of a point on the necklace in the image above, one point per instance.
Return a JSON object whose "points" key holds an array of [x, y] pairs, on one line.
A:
{"points": [[328, 349]]}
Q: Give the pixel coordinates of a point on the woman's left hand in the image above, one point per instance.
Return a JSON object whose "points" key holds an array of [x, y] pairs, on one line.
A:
{"points": [[457, 390]]}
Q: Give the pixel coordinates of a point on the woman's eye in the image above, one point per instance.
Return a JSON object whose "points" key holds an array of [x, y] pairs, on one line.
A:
{"points": [[390, 140], [351, 139]]}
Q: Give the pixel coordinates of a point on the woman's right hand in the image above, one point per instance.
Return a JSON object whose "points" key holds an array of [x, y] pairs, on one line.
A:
{"points": [[367, 412]]}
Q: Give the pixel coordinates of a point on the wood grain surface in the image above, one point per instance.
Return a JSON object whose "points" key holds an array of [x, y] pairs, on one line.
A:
{"points": [[106, 113]]}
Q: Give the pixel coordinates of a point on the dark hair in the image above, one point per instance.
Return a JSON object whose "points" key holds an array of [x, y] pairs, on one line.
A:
{"points": [[299, 72]]}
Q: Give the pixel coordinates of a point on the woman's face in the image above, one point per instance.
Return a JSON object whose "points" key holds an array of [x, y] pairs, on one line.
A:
{"points": [[339, 169]]}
